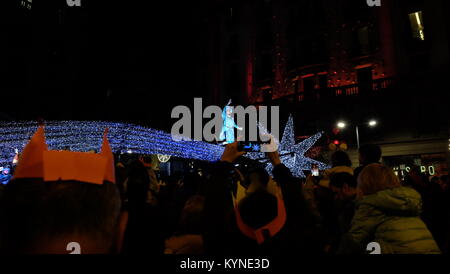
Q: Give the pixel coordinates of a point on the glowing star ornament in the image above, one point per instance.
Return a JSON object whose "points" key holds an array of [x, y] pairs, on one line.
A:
{"points": [[292, 155]]}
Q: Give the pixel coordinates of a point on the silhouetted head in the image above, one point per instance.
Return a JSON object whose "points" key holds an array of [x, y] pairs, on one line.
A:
{"points": [[138, 183], [258, 209], [369, 154], [43, 217], [59, 197], [343, 185], [340, 158], [191, 221]]}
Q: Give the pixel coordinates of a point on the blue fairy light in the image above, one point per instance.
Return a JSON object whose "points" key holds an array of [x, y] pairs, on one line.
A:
{"points": [[86, 136]]}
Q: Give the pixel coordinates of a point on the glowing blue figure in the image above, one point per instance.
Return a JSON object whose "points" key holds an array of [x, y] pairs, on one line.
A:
{"points": [[229, 125]]}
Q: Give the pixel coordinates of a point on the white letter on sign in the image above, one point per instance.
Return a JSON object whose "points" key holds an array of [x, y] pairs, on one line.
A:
{"points": [[74, 3], [374, 3]]}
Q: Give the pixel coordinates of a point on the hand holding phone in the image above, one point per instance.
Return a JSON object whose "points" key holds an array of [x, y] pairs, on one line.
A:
{"points": [[231, 153]]}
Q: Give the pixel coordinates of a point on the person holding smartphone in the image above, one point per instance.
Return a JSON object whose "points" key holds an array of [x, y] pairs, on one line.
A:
{"points": [[319, 196], [243, 228]]}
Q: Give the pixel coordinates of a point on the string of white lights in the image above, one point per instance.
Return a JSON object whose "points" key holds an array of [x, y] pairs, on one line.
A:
{"points": [[86, 136]]}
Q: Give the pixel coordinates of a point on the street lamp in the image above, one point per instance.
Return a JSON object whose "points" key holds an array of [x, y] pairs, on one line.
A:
{"points": [[372, 123], [341, 125]]}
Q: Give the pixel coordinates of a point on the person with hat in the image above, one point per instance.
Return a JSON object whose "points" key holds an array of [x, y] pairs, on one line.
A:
{"points": [[60, 202]]}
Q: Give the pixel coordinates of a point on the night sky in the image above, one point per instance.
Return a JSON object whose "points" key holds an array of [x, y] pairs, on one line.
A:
{"points": [[122, 61], [105, 60]]}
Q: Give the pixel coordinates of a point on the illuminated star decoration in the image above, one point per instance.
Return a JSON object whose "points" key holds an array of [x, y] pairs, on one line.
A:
{"points": [[292, 155]]}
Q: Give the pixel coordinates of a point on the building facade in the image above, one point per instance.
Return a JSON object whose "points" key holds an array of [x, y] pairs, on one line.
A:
{"points": [[326, 61]]}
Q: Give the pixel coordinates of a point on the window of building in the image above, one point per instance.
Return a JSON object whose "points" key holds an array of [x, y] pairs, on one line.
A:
{"points": [[308, 83], [323, 81], [417, 27], [364, 75], [234, 46], [264, 66], [363, 39]]}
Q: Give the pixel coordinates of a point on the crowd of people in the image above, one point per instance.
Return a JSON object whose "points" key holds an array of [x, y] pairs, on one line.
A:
{"points": [[233, 207]]}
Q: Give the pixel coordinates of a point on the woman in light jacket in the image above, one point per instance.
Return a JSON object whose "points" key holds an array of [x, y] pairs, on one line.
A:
{"points": [[387, 214]]}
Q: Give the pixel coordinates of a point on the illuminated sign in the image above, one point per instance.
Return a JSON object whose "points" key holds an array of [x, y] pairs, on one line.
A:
{"points": [[74, 3], [431, 170], [26, 3], [374, 3]]}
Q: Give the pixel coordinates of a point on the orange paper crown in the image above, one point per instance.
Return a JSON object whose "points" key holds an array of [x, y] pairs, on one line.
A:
{"points": [[36, 161], [270, 229]]}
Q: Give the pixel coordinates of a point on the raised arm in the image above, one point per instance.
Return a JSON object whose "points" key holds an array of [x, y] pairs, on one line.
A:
{"points": [[298, 214], [218, 203]]}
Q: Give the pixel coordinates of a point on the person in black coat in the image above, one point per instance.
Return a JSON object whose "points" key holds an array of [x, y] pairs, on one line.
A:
{"points": [[368, 154], [144, 233], [224, 233], [343, 186]]}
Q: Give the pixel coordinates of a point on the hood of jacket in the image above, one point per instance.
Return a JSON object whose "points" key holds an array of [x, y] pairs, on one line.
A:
{"points": [[325, 181], [400, 201]]}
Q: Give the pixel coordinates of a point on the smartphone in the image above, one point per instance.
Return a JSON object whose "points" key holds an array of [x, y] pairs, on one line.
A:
{"points": [[315, 170], [249, 146]]}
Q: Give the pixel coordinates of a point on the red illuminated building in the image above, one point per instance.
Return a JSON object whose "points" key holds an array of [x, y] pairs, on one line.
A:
{"points": [[330, 60]]}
